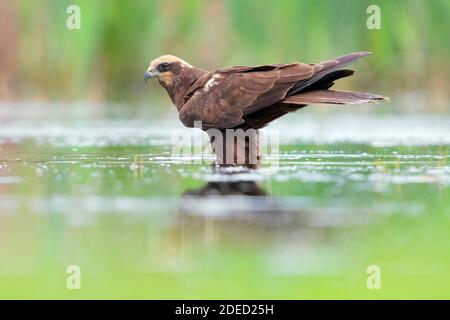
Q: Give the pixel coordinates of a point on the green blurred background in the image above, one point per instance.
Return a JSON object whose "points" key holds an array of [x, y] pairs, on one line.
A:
{"points": [[41, 59], [82, 185]]}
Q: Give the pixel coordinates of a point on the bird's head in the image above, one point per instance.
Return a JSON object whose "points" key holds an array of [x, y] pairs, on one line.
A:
{"points": [[167, 69]]}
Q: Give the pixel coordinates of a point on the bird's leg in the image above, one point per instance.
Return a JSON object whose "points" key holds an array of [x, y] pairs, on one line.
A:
{"points": [[236, 147]]}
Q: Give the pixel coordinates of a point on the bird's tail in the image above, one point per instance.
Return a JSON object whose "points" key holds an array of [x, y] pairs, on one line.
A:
{"points": [[315, 89], [333, 97]]}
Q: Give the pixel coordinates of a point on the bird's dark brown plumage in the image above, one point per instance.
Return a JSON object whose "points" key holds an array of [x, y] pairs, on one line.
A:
{"points": [[253, 96], [239, 96]]}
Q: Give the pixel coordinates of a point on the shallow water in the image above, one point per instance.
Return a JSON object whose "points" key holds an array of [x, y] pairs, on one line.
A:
{"points": [[107, 194]]}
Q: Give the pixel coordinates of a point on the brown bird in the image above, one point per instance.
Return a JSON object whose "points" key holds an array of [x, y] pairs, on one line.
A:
{"points": [[250, 97]]}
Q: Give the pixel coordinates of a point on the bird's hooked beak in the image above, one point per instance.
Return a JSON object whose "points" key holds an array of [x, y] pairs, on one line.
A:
{"points": [[150, 74]]}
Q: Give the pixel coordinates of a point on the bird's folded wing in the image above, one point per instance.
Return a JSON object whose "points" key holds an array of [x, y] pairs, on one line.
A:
{"points": [[221, 98]]}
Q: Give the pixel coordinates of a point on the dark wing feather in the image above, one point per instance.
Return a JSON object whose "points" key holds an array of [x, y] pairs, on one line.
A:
{"points": [[328, 80], [227, 95], [261, 118], [246, 69], [328, 67], [287, 77]]}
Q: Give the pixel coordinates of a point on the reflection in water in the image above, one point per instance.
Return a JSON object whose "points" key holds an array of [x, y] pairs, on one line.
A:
{"points": [[235, 207], [233, 192], [228, 188], [231, 205], [105, 194], [234, 211], [224, 188]]}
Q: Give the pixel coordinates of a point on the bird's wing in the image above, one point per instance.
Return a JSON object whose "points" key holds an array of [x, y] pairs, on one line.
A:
{"points": [[225, 97], [221, 98], [328, 67]]}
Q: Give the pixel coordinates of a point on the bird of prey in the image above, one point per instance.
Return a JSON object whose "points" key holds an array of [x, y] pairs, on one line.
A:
{"points": [[250, 97]]}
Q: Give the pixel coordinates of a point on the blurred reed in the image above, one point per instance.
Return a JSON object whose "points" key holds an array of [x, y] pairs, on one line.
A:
{"points": [[43, 60]]}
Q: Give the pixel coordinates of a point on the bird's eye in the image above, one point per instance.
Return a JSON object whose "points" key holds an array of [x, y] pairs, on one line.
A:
{"points": [[164, 67]]}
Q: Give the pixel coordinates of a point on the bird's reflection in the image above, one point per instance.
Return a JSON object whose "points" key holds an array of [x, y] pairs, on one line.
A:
{"points": [[227, 188], [231, 184], [233, 207], [231, 201]]}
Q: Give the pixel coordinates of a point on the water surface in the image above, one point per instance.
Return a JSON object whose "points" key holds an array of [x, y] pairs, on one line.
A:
{"points": [[106, 193]]}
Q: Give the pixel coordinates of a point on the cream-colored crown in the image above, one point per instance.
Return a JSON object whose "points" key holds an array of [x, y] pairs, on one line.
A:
{"points": [[168, 58]]}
